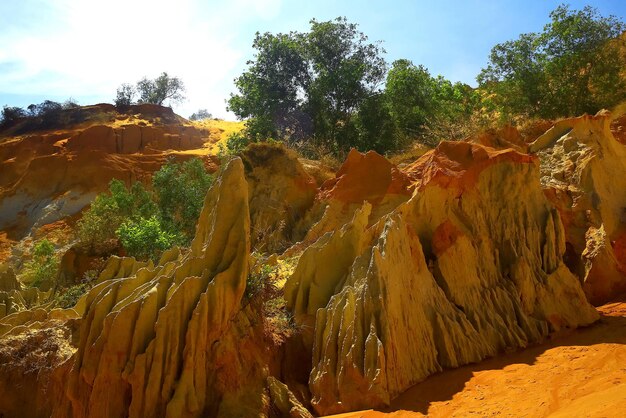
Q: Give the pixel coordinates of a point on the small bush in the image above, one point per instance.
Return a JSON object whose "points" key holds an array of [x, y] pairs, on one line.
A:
{"points": [[70, 296], [258, 280], [148, 222], [44, 266], [145, 238], [10, 115], [179, 192], [235, 143], [201, 114], [99, 224]]}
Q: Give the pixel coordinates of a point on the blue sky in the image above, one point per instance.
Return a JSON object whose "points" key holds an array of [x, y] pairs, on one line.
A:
{"points": [[56, 49]]}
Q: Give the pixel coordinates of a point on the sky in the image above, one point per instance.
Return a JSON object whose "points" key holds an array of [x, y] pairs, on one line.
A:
{"points": [[84, 49]]}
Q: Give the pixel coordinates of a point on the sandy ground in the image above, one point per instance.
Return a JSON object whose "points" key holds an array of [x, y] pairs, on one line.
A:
{"points": [[581, 373]]}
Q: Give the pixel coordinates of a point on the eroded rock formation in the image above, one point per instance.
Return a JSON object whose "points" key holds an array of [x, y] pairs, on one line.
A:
{"points": [[454, 275], [160, 342], [398, 274], [47, 175], [582, 170]]}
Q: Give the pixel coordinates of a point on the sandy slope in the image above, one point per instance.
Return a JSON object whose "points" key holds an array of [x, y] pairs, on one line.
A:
{"points": [[579, 374]]}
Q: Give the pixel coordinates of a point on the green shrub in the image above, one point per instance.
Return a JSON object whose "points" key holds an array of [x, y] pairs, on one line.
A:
{"points": [[44, 266], [70, 296], [145, 238], [180, 190], [257, 280], [148, 222], [107, 212], [201, 114]]}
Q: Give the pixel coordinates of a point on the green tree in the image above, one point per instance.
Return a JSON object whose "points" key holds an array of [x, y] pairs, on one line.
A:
{"points": [[346, 70], [160, 89], [272, 90], [410, 90], [200, 115], [145, 238], [376, 127], [125, 95], [10, 115], [574, 66], [179, 192], [309, 85]]}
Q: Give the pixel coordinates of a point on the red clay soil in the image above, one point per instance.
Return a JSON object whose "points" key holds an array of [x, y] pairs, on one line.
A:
{"points": [[367, 176], [458, 164], [581, 373]]}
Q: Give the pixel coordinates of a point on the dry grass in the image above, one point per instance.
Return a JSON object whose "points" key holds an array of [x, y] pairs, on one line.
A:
{"points": [[219, 131]]}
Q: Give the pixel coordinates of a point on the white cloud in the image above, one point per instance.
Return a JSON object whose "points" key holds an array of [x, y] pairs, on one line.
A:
{"points": [[88, 48]]}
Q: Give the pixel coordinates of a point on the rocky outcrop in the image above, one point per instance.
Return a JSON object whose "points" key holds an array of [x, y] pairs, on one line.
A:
{"points": [[452, 276], [280, 193], [79, 161], [506, 137], [362, 178], [398, 274], [162, 342], [582, 171], [133, 138]]}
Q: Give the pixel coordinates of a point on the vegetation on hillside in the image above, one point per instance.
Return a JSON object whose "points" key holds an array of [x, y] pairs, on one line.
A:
{"points": [[45, 115], [147, 222], [43, 268], [574, 66], [157, 91]]}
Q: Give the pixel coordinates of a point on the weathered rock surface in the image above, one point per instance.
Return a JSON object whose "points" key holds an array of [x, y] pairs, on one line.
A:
{"points": [[280, 193], [78, 161], [362, 178], [399, 274], [452, 276], [582, 171], [162, 342]]}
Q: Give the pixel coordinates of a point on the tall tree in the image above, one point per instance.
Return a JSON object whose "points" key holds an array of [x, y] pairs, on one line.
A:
{"points": [[309, 84], [160, 89], [574, 66]]}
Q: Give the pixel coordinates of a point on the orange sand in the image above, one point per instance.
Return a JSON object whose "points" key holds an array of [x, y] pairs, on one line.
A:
{"points": [[578, 374]]}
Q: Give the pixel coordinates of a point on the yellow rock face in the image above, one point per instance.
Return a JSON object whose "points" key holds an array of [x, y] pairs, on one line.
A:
{"points": [[452, 276], [280, 192], [149, 342], [583, 168], [399, 275]]}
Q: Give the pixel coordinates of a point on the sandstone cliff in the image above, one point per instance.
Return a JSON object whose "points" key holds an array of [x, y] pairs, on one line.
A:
{"points": [[78, 161], [452, 276], [582, 171], [398, 274]]}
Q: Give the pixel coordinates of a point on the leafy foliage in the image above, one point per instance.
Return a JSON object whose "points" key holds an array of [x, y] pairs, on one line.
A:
{"points": [[309, 85], [71, 295], [107, 212], [147, 222], [157, 91], [10, 115], [180, 190], [423, 107], [572, 67], [201, 114], [145, 238], [43, 267], [160, 89], [125, 95]]}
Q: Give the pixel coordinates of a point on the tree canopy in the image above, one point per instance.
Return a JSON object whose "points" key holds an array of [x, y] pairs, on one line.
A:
{"points": [[158, 91], [309, 85], [573, 66]]}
